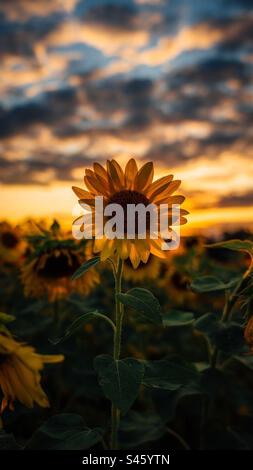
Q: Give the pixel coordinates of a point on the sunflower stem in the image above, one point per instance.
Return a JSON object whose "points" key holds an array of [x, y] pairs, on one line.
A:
{"points": [[119, 312], [229, 305]]}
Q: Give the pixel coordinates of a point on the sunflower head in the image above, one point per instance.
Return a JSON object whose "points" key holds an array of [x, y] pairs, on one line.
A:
{"points": [[131, 186], [12, 246], [53, 258], [20, 373]]}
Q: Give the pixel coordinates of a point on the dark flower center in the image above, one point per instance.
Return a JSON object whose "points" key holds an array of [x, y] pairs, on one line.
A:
{"points": [[57, 267], [126, 197], [9, 240]]}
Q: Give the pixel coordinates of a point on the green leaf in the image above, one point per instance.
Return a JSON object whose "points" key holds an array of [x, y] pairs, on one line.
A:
{"points": [[64, 432], [208, 324], [229, 339], [235, 245], [166, 402], [169, 374], [177, 318], [138, 428], [210, 284], [8, 442], [85, 318], [144, 302], [120, 380], [6, 318], [85, 267], [243, 440], [247, 361]]}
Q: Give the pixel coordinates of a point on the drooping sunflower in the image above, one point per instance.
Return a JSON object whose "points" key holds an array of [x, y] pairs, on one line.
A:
{"points": [[20, 377], [177, 285], [146, 271], [53, 258], [12, 246], [131, 186]]}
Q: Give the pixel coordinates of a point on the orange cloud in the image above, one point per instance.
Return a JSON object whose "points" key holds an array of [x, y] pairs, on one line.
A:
{"points": [[109, 41], [25, 9]]}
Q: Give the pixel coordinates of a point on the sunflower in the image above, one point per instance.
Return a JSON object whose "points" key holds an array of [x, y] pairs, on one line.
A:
{"points": [[248, 334], [146, 271], [12, 246], [131, 186], [53, 258], [177, 285], [20, 376]]}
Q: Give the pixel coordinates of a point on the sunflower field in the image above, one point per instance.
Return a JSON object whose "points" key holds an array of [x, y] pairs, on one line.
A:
{"points": [[115, 344]]}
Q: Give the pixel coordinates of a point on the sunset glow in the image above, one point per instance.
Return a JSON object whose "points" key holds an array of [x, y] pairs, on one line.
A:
{"points": [[171, 82]]}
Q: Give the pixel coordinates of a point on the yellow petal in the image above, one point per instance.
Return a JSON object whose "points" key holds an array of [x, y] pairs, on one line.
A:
{"points": [[99, 245], [114, 178], [165, 191], [143, 249], [119, 171], [98, 187], [89, 202], [51, 358], [130, 173], [90, 186], [134, 256], [155, 249], [183, 221], [108, 249], [100, 170], [123, 249], [163, 198], [144, 176], [158, 183], [81, 193]]}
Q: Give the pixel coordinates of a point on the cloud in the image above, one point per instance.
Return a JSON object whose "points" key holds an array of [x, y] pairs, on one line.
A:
{"points": [[83, 80], [200, 36], [237, 200], [53, 107], [21, 10], [18, 37]]}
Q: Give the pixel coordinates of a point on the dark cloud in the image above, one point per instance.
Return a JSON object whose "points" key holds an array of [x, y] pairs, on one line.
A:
{"points": [[240, 37], [34, 170], [114, 15], [210, 73], [237, 200], [52, 108], [20, 37]]}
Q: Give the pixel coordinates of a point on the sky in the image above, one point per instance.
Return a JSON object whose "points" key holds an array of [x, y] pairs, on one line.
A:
{"points": [[162, 80]]}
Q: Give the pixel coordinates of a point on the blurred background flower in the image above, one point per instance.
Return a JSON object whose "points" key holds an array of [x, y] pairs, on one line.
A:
{"points": [[20, 373], [53, 256]]}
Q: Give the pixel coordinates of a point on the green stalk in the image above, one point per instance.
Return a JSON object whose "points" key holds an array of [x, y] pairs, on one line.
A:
{"points": [[226, 315], [229, 305], [119, 312]]}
